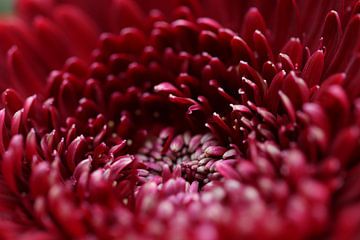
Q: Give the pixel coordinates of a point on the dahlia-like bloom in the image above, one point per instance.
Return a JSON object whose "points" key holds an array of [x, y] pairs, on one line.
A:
{"points": [[190, 119]]}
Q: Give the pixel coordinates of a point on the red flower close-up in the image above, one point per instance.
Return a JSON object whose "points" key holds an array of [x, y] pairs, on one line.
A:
{"points": [[180, 119]]}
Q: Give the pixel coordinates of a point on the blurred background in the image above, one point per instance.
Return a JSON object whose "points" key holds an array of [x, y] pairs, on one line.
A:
{"points": [[5, 6]]}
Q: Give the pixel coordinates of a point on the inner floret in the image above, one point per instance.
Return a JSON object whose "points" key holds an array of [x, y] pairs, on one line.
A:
{"points": [[192, 156]]}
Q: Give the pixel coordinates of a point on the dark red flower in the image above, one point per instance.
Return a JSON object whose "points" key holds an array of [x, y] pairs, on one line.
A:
{"points": [[189, 119]]}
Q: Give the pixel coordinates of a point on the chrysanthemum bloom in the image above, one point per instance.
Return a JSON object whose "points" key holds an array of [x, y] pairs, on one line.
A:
{"points": [[189, 119]]}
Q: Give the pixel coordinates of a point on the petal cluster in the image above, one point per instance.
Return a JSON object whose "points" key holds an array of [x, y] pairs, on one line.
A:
{"points": [[188, 120]]}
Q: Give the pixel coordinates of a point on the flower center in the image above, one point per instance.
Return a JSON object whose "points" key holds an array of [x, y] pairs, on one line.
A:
{"points": [[191, 156]]}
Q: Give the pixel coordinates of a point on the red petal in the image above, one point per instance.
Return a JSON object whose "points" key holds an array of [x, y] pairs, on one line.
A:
{"points": [[11, 165], [332, 34], [294, 49], [272, 96], [126, 13], [81, 30], [346, 145], [349, 44], [12, 101], [75, 152], [286, 17], [288, 106], [253, 20], [39, 180], [313, 69], [242, 52], [22, 75]]}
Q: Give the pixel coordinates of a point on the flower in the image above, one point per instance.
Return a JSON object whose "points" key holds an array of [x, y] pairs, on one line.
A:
{"points": [[190, 119]]}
